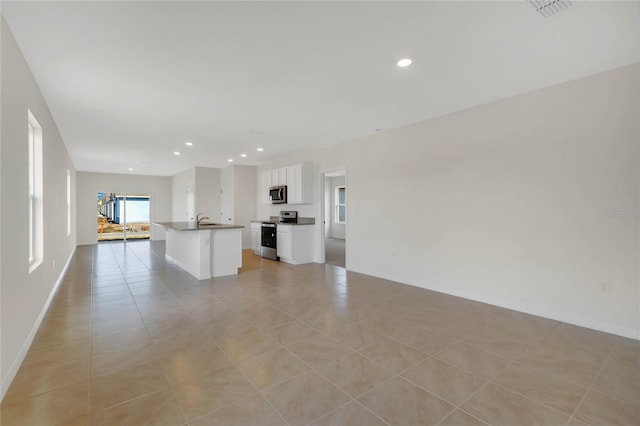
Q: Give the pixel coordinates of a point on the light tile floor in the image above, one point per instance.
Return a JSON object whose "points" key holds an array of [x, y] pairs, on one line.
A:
{"points": [[131, 340]]}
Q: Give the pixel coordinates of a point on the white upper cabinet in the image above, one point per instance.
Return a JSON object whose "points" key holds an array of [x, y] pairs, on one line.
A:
{"points": [[299, 183], [279, 176]]}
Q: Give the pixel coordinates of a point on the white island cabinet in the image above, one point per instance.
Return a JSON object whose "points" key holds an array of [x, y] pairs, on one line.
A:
{"points": [[204, 251]]}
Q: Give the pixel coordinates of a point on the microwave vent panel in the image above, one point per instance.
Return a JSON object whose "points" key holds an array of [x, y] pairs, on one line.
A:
{"points": [[548, 8]]}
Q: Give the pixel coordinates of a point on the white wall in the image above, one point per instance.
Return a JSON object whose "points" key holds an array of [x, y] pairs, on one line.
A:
{"points": [[196, 190], [240, 203], [89, 184], [244, 206], [208, 192], [336, 230], [203, 185], [506, 203], [326, 226], [183, 198], [25, 296]]}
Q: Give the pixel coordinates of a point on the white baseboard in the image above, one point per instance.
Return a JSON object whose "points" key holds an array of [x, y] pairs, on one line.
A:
{"points": [[11, 374], [628, 332], [569, 319]]}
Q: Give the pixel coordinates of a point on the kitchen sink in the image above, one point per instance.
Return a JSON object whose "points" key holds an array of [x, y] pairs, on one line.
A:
{"points": [[205, 224]]}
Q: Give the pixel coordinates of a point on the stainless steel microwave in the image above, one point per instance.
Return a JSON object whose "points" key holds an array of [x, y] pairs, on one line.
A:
{"points": [[278, 194]]}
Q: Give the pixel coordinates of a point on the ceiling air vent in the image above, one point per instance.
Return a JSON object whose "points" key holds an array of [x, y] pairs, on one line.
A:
{"points": [[549, 7]]}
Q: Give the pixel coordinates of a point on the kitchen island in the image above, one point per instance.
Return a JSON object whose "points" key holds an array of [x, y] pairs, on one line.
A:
{"points": [[206, 250]]}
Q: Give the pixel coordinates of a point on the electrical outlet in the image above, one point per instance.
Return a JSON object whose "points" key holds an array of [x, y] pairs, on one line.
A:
{"points": [[605, 287]]}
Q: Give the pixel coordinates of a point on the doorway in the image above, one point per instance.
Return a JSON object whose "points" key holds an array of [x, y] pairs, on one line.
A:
{"points": [[335, 217], [123, 217]]}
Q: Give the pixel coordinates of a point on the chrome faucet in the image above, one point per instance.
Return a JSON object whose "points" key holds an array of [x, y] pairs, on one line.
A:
{"points": [[200, 219]]}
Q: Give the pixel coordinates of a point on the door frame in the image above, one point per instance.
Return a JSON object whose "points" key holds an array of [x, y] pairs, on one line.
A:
{"points": [[323, 175]]}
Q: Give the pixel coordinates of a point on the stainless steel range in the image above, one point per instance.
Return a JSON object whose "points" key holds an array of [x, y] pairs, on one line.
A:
{"points": [[269, 234], [269, 240], [288, 216]]}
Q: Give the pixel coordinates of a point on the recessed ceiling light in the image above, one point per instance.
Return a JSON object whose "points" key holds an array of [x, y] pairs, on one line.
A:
{"points": [[188, 143], [230, 160], [404, 62], [260, 149], [176, 152], [243, 155], [130, 169]]}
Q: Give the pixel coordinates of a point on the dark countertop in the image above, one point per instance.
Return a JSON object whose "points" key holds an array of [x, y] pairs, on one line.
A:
{"points": [[301, 221], [191, 226]]}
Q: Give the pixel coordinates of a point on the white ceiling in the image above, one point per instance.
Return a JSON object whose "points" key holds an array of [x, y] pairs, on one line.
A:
{"points": [[129, 82]]}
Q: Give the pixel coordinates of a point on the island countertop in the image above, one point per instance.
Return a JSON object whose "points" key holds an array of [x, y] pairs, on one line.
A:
{"points": [[191, 226]]}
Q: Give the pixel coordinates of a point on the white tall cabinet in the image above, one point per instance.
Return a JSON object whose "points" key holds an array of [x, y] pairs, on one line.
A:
{"points": [[237, 199], [226, 203], [265, 184]]}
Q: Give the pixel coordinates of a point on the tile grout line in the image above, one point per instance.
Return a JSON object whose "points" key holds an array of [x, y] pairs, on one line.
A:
{"points": [[164, 370], [514, 361], [531, 399], [139, 313], [236, 366], [352, 398], [491, 381], [172, 385], [325, 304], [590, 387], [89, 363], [310, 369], [91, 309], [542, 370], [465, 412], [9, 401], [459, 406]]}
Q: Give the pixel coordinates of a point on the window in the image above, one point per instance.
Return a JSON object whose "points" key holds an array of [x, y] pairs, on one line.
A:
{"points": [[341, 204], [68, 203], [35, 215]]}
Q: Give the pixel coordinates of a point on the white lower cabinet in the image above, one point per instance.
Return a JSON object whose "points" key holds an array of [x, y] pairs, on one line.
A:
{"points": [[256, 237], [284, 243], [295, 243]]}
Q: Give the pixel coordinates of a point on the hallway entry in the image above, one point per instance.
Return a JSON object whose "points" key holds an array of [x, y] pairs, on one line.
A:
{"points": [[335, 217]]}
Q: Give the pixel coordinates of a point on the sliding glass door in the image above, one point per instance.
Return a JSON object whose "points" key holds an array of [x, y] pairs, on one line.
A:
{"points": [[123, 216]]}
